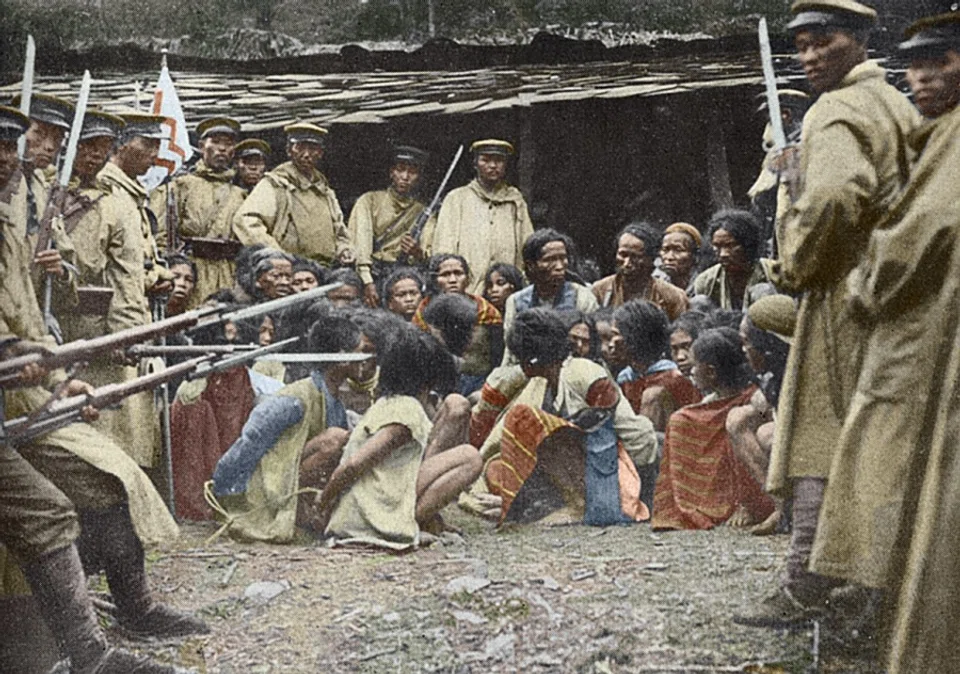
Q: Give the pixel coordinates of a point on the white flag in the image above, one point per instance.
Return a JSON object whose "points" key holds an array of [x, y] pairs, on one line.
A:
{"points": [[175, 149]]}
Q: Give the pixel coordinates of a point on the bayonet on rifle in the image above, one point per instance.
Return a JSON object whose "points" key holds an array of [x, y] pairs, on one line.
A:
{"points": [[417, 231], [26, 91]]}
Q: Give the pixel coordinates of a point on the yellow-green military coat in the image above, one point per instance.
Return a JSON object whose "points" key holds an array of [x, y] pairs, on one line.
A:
{"points": [[370, 219], [906, 290], [132, 266], [854, 160], [293, 213], [484, 227], [20, 314], [206, 202]]}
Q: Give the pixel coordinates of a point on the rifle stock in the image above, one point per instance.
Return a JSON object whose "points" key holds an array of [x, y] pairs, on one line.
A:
{"points": [[70, 410], [87, 349]]}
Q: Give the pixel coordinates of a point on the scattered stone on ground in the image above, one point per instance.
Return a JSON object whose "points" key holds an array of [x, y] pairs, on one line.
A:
{"points": [[528, 598]]}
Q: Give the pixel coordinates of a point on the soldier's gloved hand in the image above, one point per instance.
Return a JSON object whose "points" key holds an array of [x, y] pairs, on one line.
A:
{"points": [[50, 261], [370, 295], [347, 257]]}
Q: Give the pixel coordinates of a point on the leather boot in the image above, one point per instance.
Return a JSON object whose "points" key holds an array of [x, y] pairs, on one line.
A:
{"points": [[121, 555], [60, 587]]}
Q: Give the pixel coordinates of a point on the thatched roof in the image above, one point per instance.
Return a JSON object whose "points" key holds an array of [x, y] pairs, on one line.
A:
{"points": [[267, 102]]}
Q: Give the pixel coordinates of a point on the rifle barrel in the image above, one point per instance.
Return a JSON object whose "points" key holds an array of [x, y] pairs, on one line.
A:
{"points": [[69, 410], [87, 349]]}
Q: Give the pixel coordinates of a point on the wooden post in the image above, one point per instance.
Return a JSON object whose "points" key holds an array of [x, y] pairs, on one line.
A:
{"points": [[718, 171]]}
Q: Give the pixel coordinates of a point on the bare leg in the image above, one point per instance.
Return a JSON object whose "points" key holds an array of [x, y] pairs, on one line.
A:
{"points": [[746, 427], [441, 479], [321, 456], [451, 426], [742, 425], [450, 465]]}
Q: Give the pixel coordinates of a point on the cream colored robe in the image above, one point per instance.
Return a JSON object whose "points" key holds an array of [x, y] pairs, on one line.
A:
{"points": [[293, 213], [484, 227]]}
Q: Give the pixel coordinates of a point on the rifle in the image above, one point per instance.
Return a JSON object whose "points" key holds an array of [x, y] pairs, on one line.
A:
{"points": [[788, 165], [234, 361], [417, 231], [164, 351], [26, 91], [55, 203], [67, 411], [317, 357], [83, 350]]}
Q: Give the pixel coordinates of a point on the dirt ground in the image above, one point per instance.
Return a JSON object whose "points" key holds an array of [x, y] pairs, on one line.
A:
{"points": [[529, 598]]}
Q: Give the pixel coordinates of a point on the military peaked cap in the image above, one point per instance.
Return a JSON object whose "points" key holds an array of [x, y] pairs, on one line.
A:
{"points": [[831, 15], [492, 146], [250, 147], [225, 125], [143, 125], [410, 155], [98, 124], [13, 123], [302, 132], [934, 34], [50, 110]]}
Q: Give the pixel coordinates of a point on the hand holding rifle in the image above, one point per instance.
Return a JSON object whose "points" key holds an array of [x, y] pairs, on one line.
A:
{"points": [[410, 244]]}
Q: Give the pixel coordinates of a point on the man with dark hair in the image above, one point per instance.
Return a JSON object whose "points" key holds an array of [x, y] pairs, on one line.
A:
{"points": [[293, 208], [250, 159], [637, 247], [307, 275], [735, 236], [381, 221], [652, 382], [853, 161], [403, 291], [562, 394], [293, 437], [202, 204], [546, 259], [485, 221]]}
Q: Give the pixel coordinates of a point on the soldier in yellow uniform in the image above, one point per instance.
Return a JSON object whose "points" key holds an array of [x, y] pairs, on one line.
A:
{"points": [[137, 277], [118, 507], [50, 118], [202, 204], [380, 221], [250, 159], [854, 158], [88, 219], [893, 483], [485, 221], [294, 209]]}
